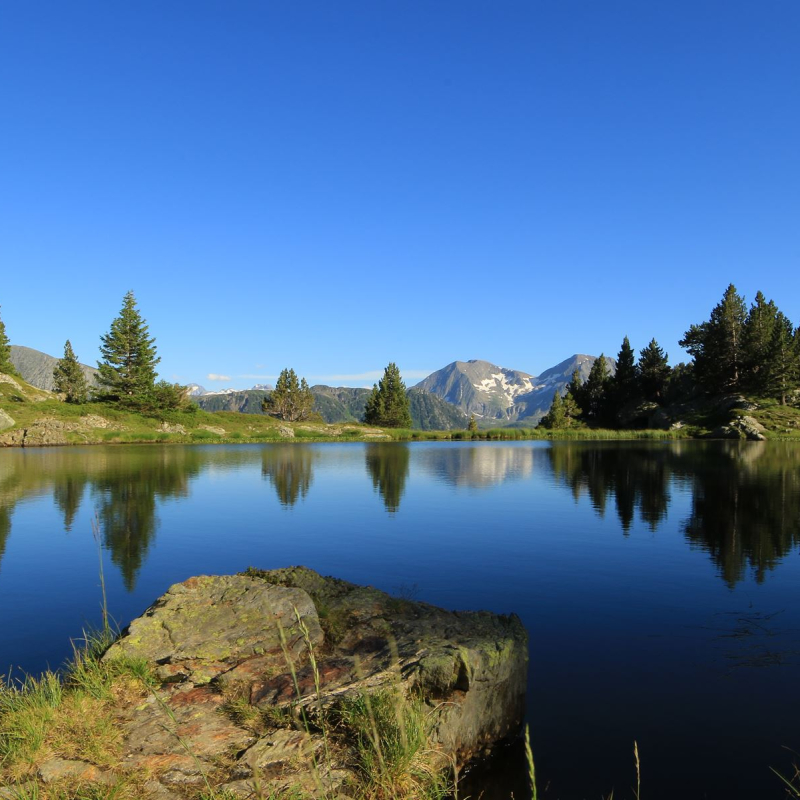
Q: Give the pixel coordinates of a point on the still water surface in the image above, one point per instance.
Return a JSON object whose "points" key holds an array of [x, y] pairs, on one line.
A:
{"points": [[659, 583]]}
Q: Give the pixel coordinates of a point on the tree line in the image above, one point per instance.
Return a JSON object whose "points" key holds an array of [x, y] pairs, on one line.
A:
{"points": [[387, 406], [126, 373], [737, 350]]}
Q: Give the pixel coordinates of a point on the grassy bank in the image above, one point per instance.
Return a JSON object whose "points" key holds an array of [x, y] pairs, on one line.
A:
{"points": [[31, 417]]}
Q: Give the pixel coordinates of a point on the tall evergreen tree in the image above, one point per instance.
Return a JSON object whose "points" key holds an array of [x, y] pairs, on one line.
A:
{"points": [[290, 400], [68, 377], [596, 390], [128, 369], [653, 372], [757, 340], [555, 418], [717, 345], [387, 405], [624, 382], [576, 390], [5, 352], [572, 411], [782, 368]]}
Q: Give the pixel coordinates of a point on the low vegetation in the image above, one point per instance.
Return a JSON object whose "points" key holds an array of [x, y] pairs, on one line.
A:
{"points": [[69, 715], [39, 418]]}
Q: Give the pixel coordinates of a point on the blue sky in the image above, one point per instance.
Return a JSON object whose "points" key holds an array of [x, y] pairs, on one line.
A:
{"points": [[333, 186]]}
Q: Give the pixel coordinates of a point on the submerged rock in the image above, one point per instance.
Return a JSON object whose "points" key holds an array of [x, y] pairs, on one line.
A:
{"points": [[290, 647]]}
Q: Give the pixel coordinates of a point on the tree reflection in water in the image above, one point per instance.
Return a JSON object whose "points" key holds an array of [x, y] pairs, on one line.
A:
{"points": [[745, 506], [125, 500], [744, 497], [388, 466], [289, 468]]}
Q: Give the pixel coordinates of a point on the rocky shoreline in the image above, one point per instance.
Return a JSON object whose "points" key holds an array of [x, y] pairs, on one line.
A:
{"points": [[256, 674]]}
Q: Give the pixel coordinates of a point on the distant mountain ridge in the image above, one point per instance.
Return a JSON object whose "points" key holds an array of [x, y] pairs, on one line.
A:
{"points": [[344, 404], [444, 400], [37, 368], [508, 396]]}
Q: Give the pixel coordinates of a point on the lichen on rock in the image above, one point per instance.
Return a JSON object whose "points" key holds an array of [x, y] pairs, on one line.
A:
{"points": [[254, 666]]}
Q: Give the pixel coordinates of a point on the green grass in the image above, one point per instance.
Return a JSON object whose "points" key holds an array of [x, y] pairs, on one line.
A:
{"points": [[389, 736], [68, 714], [781, 422]]}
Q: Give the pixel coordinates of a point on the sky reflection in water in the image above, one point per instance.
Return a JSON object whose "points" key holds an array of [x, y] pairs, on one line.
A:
{"points": [[659, 582]]}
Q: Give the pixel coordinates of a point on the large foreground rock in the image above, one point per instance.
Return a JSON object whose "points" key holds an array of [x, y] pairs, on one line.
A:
{"points": [[287, 646]]}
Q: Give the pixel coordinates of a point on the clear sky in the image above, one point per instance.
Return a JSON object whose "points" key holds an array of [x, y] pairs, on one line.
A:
{"points": [[335, 185]]}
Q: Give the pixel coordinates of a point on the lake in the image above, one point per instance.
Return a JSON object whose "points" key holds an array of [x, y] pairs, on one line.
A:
{"points": [[659, 582]]}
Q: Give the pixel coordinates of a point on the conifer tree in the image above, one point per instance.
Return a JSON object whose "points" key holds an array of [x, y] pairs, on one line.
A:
{"points": [[473, 424], [128, 369], [387, 405], [653, 371], [555, 418], [782, 367], [572, 411], [717, 344], [5, 352], [624, 381], [757, 340], [68, 377], [576, 391], [595, 392], [291, 400]]}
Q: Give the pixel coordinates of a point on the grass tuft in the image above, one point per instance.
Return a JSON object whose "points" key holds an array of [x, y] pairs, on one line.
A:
{"points": [[390, 735]]}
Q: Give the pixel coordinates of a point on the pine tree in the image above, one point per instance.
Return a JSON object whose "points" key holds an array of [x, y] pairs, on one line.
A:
{"points": [[576, 391], [290, 400], [5, 352], [572, 411], [555, 418], [387, 405], [782, 368], [68, 377], [595, 391], [127, 371], [653, 372], [717, 345], [624, 382], [757, 340], [473, 424]]}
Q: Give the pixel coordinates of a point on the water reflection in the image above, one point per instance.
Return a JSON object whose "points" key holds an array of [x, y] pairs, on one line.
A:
{"points": [[68, 495], [5, 529], [289, 469], [745, 507], [744, 499], [388, 465], [635, 476], [125, 496], [478, 466]]}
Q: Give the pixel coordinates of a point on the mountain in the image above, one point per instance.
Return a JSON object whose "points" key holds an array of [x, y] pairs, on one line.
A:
{"points": [[245, 401], [431, 413], [478, 387], [344, 404], [339, 403], [37, 368], [503, 395]]}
